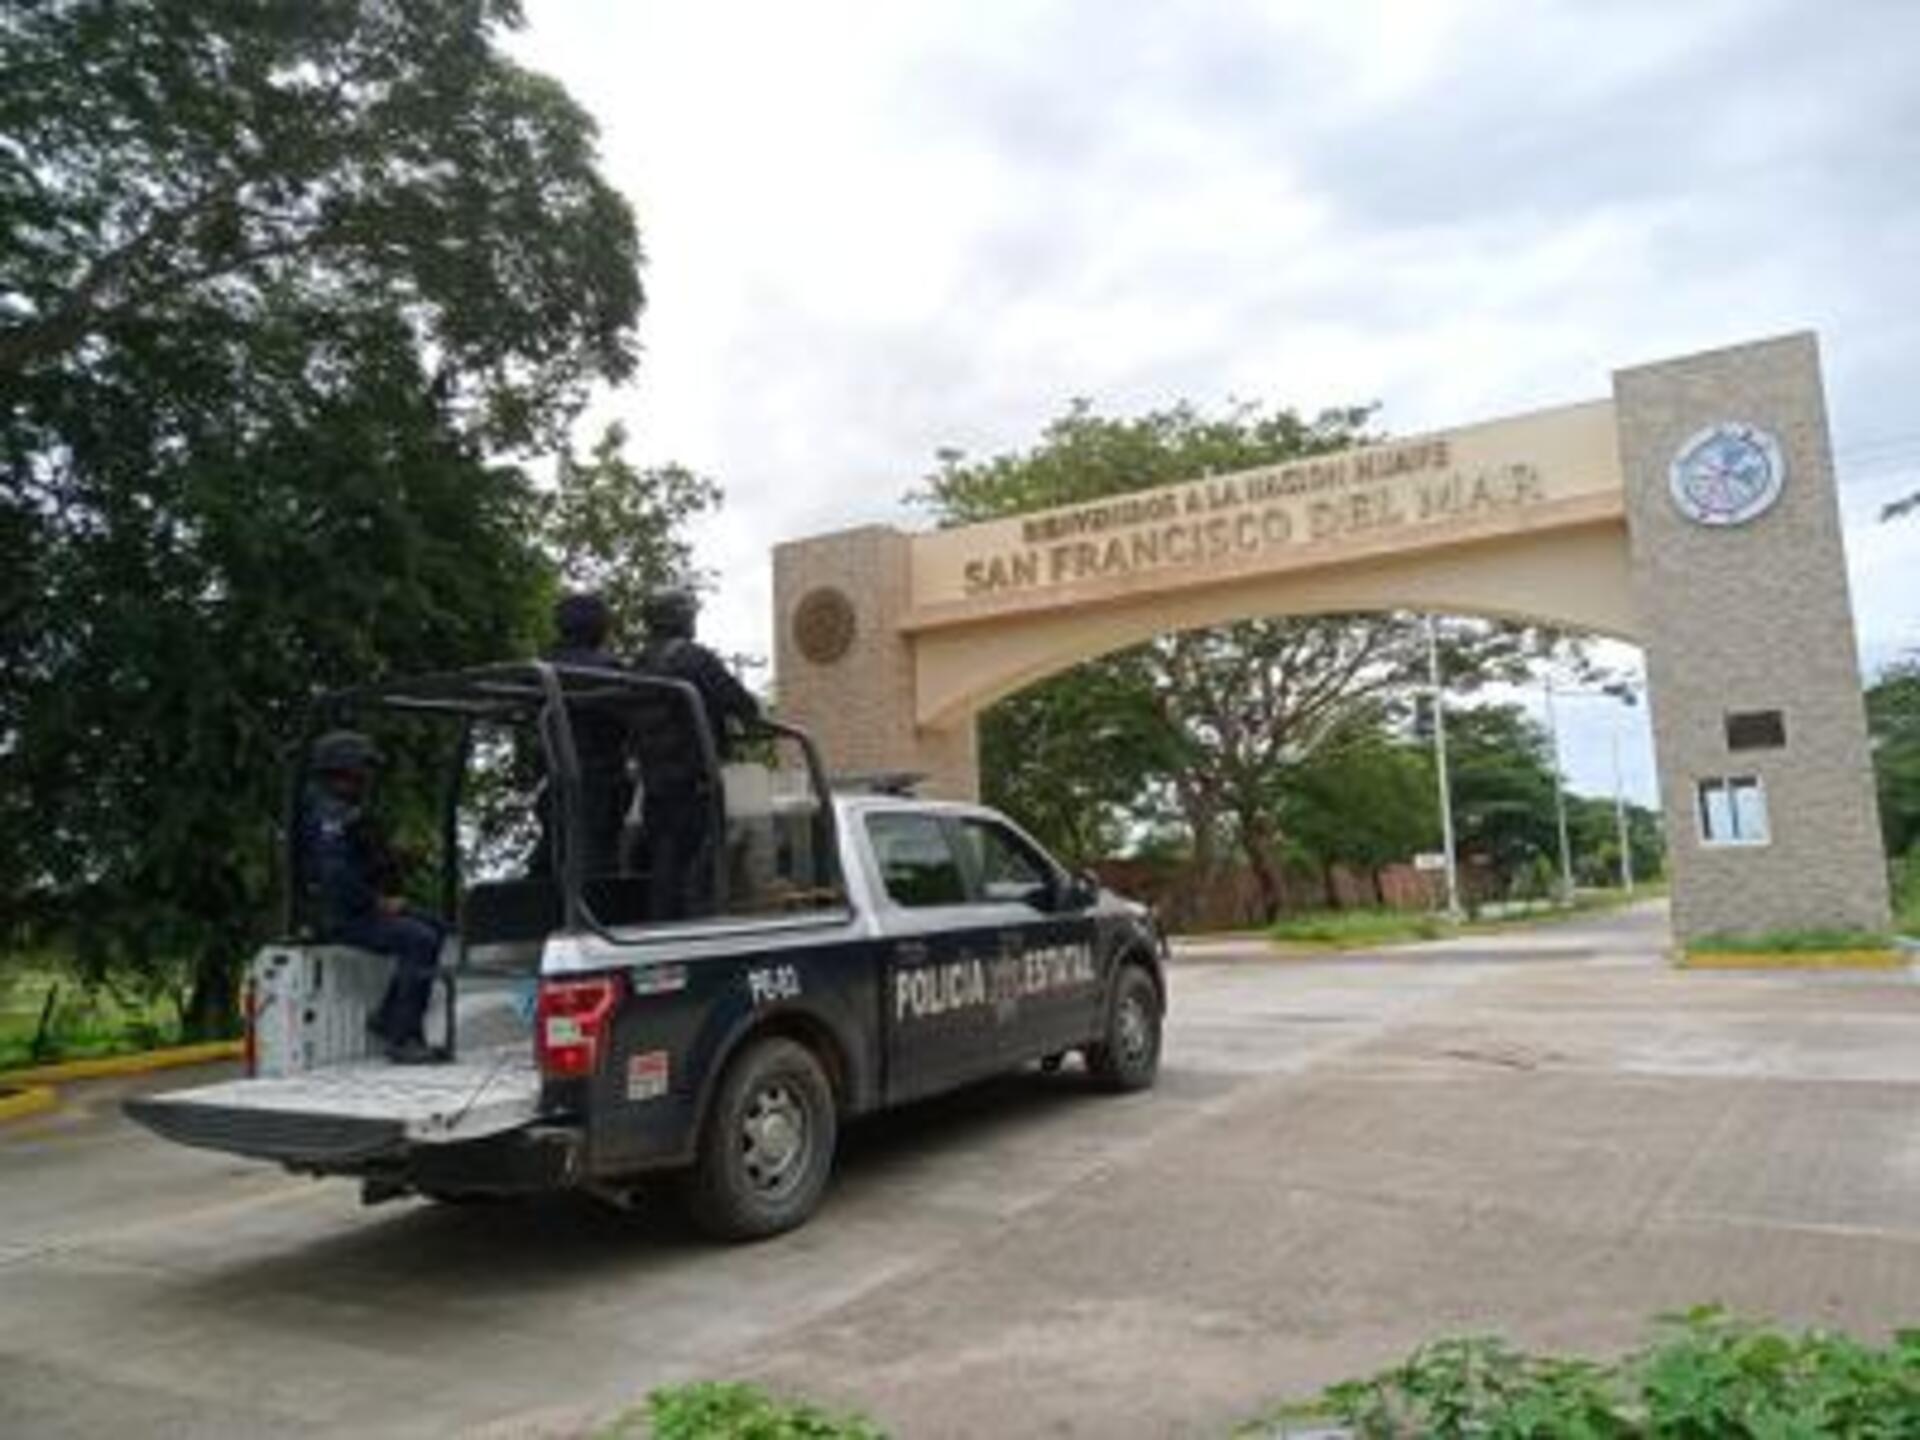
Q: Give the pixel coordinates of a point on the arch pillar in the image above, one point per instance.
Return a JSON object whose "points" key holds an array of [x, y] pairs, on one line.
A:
{"points": [[1752, 619], [844, 660]]}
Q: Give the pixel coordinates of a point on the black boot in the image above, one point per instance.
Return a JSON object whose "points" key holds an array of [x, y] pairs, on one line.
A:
{"points": [[415, 1051]]}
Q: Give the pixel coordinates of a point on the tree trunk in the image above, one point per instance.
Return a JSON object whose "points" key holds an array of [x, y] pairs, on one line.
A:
{"points": [[1204, 877], [1257, 841], [212, 1011], [1379, 887]]}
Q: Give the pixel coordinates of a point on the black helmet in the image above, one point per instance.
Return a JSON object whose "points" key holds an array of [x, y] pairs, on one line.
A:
{"points": [[344, 752], [670, 612], [582, 619]]}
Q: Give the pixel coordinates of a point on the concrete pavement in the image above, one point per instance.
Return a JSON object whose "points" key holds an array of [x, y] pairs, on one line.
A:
{"points": [[1546, 1133]]}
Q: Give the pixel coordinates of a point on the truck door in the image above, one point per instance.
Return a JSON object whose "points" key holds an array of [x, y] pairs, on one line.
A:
{"points": [[1045, 987], [938, 1011]]}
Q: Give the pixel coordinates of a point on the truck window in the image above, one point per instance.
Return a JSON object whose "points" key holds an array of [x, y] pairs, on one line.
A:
{"points": [[508, 901], [1007, 869], [502, 798], [917, 863], [779, 852]]}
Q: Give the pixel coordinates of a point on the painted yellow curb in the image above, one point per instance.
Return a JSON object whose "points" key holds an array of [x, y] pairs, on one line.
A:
{"points": [[126, 1064], [31, 1100], [1793, 960]]}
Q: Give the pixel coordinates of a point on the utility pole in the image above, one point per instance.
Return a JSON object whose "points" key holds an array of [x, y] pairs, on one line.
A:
{"points": [[1620, 812], [1440, 767], [1560, 800]]}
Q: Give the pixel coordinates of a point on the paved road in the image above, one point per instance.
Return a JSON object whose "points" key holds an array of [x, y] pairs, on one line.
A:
{"points": [[1544, 1133]]}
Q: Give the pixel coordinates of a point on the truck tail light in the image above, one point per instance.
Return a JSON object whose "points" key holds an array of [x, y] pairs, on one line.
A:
{"points": [[570, 1024]]}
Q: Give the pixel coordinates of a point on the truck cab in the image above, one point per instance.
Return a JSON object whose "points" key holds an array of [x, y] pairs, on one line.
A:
{"points": [[848, 950]]}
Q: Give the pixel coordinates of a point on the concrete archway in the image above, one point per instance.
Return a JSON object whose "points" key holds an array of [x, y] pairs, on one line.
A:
{"points": [[1693, 512]]}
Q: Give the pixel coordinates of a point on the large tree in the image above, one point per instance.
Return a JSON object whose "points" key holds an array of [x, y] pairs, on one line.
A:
{"points": [[162, 165], [282, 285], [1893, 717], [1594, 825], [1073, 761], [621, 530], [1501, 775], [1368, 801], [1238, 709]]}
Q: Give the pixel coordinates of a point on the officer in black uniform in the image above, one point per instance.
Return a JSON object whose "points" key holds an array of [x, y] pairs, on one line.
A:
{"points": [[678, 803], [352, 881], [583, 623]]}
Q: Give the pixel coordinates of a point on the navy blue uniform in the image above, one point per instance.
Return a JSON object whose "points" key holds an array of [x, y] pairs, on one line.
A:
{"points": [[348, 869], [677, 803], [600, 742]]}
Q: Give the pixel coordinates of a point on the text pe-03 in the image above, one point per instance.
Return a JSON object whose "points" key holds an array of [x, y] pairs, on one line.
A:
{"points": [[827, 954]]}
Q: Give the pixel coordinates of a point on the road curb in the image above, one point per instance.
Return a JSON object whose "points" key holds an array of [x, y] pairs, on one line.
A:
{"points": [[1794, 960], [138, 1064], [17, 1103]]}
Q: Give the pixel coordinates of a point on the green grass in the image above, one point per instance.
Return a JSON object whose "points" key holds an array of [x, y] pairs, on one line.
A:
{"points": [[1360, 929], [86, 1023], [1791, 942], [1357, 929]]}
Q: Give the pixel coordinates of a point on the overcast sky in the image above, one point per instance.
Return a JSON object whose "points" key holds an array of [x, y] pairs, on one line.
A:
{"points": [[876, 230]]}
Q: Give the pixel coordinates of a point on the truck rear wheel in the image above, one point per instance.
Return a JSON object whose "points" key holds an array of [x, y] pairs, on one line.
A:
{"points": [[1127, 1056], [766, 1149]]}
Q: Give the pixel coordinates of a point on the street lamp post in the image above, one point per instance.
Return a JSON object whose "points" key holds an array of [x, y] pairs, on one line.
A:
{"points": [[1620, 810], [1560, 800], [1440, 767], [1628, 698]]}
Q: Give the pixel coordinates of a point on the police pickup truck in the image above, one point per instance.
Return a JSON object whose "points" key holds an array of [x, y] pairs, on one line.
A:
{"points": [[850, 951]]}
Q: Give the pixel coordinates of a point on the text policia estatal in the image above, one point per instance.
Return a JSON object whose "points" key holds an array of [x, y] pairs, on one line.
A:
{"points": [[1242, 515], [929, 990]]}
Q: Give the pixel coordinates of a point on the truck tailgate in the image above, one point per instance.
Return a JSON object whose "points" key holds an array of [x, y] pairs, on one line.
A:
{"points": [[351, 1112]]}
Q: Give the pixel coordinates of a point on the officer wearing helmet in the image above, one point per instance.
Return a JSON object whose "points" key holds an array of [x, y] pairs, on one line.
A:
{"points": [[677, 802], [583, 624], [351, 879]]}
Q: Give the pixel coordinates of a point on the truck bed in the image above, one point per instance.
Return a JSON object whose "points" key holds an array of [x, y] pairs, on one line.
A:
{"points": [[351, 1112]]}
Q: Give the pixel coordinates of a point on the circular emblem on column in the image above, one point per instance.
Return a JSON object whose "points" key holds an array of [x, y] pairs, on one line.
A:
{"points": [[823, 625], [1727, 474]]}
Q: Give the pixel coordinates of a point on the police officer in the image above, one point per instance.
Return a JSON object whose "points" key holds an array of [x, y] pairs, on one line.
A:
{"points": [[583, 624], [677, 802], [353, 879]]}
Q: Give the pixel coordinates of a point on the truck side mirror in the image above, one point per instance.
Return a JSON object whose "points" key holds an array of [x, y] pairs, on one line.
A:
{"points": [[1080, 892]]}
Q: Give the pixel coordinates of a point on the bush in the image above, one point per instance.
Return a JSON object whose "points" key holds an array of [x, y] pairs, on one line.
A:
{"points": [[1906, 893], [710, 1411], [89, 1017], [1705, 1376]]}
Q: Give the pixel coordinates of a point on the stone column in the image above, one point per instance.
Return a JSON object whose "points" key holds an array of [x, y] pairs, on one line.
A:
{"points": [[844, 671], [1746, 618]]}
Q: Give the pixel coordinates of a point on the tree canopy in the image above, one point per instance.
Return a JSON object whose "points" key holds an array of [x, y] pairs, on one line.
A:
{"points": [[1893, 718], [283, 286], [168, 166], [620, 530]]}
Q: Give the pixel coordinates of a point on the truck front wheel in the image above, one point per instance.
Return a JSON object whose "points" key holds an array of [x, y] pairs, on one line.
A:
{"points": [[1128, 1055], [767, 1146]]}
